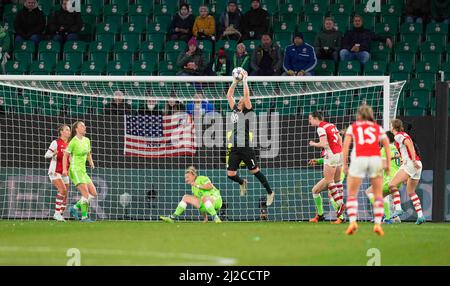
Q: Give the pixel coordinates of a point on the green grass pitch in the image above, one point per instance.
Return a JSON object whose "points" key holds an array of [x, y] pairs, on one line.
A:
{"points": [[229, 243]]}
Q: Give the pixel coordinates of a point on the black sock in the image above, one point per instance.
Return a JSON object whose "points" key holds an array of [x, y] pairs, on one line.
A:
{"points": [[263, 181], [237, 179]]}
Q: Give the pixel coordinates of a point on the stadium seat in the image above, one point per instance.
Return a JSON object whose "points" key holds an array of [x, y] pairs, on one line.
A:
{"points": [[426, 70], [380, 52], [26, 103], [154, 44], [431, 51], [143, 68], [99, 51], [23, 57], [49, 58], [317, 8], [67, 68], [46, 6], [118, 68], [51, 104], [171, 56], [93, 68], [149, 57], [25, 46], [411, 32], [147, 5], [375, 68], [205, 46], [87, 32], [165, 9], [289, 11], [341, 9], [386, 29], [391, 9], [138, 15], [228, 45], [175, 46], [132, 32], [437, 32], [74, 50], [250, 45], [79, 105], [325, 67], [124, 51], [349, 68], [41, 68], [418, 99], [90, 13], [284, 27], [368, 21], [341, 23], [159, 26], [17, 67], [421, 84], [106, 32], [167, 68], [113, 13]]}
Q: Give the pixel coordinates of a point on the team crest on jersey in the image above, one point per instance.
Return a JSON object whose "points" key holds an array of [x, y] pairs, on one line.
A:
{"points": [[234, 117]]}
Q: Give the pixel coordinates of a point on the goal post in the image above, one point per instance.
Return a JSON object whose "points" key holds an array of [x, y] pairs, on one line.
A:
{"points": [[160, 125]]}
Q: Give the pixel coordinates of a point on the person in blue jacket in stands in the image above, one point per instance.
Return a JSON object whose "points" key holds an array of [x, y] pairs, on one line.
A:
{"points": [[299, 58]]}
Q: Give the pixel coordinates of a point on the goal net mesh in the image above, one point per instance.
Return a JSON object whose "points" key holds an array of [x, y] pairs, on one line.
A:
{"points": [[146, 131]]}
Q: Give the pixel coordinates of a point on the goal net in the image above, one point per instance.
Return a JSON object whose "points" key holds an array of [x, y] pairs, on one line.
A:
{"points": [[145, 131]]}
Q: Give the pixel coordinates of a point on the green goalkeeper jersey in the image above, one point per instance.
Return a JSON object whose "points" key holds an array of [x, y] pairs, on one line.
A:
{"points": [[199, 193], [395, 163], [78, 150]]}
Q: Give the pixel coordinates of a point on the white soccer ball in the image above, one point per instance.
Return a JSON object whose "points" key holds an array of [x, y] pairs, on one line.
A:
{"points": [[238, 73]]}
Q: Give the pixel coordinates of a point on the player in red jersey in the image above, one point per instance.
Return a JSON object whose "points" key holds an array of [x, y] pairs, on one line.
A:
{"points": [[331, 143], [55, 152], [366, 161], [410, 170]]}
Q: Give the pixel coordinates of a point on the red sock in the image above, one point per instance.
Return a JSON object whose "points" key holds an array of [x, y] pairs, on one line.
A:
{"points": [[378, 210], [334, 191], [416, 203], [58, 203], [396, 199], [352, 208]]}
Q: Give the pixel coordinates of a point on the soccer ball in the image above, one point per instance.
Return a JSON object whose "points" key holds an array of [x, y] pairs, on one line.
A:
{"points": [[238, 73]]}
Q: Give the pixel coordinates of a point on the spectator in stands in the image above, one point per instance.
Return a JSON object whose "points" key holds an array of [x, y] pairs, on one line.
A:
{"points": [[199, 105], [230, 22], [204, 25], [221, 65], [150, 108], [240, 58], [192, 61], [356, 42], [327, 43], [417, 11], [5, 41], [118, 106], [29, 23], [64, 24], [182, 23], [173, 105], [440, 11], [266, 58], [299, 58], [255, 22]]}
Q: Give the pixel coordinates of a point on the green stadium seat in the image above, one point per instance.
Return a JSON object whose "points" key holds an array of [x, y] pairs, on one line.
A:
{"points": [[121, 4], [67, 68], [418, 99], [99, 51], [400, 66], [74, 51], [79, 105], [217, 7], [49, 47], [375, 68], [194, 5], [205, 46], [160, 26], [23, 57], [147, 5], [349, 68], [87, 32], [144, 68], [46, 6], [106, 32], [165, 9], [175, 46], [411, 32], [17, 67], [151, 46], [310, 27], [400, 76], [131, 32], [426, 70], [138, 15], [415, 112], [167, 68], [149, 57], [437, 32], [392, 9], [380, 52], [171, 56], [325, 67], [113, 13], [26, 103], [8, 24], [386, 29], [369, 21], [341, 22], [420, 84], [25, 46], [51, 104], [93, 67], [49, 58], [250, 45], [90, 13], [290, 10], [318, 8], [118, 68], [341, 9], [124, 51], [41, 68], [284, 27], [228, 45]]}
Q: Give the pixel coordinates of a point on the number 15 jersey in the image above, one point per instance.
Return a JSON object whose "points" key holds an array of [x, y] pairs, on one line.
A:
{"points": [[367, 136]]}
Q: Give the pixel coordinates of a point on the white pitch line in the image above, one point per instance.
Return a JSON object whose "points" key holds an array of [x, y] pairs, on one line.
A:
{"points": [[207, 259]]}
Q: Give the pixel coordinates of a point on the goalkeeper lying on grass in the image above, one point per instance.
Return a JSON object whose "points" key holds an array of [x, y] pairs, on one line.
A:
{"points": [[205, 197]]}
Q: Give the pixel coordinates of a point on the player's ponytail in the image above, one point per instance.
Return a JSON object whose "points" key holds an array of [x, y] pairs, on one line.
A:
{"points": [[74, 128], [191, 170], [365, 113], [397, 125]]}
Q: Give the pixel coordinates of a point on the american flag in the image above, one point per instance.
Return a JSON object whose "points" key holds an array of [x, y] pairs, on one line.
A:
{"points": [[158, 136]]}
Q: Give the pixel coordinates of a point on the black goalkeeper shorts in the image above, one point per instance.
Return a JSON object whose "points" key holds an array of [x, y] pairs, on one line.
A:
{"points": [[237, 155]]}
